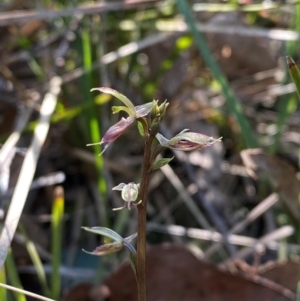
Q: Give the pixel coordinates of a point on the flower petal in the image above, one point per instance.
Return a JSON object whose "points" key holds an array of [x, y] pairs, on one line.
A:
{"points": [[116, 94], [119, 187], [107, 249], [130, 192], [163, 141], [144, 109], [114, 132]]}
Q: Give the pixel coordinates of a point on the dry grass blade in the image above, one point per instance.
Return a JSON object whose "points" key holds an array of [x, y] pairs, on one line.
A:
{"points": [[273, 34], [281, 174], [7, 18], [214, 236], [25, 292], [278, 234], [251, 216], [175, 181], [15, 136], [123, 51], [28, 168]]}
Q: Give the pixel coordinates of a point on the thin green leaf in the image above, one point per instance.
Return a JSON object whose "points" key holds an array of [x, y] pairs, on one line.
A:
{"points": [[298, 292], [3, 292], [105, 232], [56, 231], [92, 119], [36, 260], [161, 162], [14, 276], [295, 73]]}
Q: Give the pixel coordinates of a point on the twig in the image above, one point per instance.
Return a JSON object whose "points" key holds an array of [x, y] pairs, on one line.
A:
{"points": [[48, 180], [123, 51], [273, 34], [251, 216], [10, 143], [280, 233], [25, 292], [7, 18], [28, 169], [215, 236], [190, 203]]}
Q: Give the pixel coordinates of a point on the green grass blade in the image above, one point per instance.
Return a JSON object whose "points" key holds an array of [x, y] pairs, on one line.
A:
{"points": [[56, 240], [94, 127], [13, 276], [287, 103], [298, 292], [287, 106], [3, 291], [232, 101], [295, 73], [36, 260]]}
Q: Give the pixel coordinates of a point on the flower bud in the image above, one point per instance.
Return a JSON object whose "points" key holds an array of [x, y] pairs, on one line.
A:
{"points": [[155, 110]]}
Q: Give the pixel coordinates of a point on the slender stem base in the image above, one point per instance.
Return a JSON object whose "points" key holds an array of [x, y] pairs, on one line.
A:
{"points": [[142, 222], [141, 254]]}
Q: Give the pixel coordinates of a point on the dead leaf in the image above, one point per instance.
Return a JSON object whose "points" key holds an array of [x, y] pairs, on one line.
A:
{"points": [[175, 274], [285, 273], [281, 174]]}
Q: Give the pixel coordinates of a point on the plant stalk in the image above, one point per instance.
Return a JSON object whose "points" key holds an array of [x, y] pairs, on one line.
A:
{"points": [[142, 221]]}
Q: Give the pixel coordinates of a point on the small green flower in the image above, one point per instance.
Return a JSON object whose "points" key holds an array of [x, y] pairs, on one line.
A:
{"points": [[129, 193]]}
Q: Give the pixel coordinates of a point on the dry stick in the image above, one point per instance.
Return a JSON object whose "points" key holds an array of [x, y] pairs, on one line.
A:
{"points": [[123, 51], [212, 213], [250, 217], [278, 234], [181, 29], [175, 181], [273, 34], [15, 136], [28, 168], [47, 180], [12, 288], [7, 18], [215, 236]]}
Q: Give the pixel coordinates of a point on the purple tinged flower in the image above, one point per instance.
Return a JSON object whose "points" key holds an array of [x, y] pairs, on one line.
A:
{"points": [[114, 132], [134, 112], [113, 242], [187, 141], [108, 248]]}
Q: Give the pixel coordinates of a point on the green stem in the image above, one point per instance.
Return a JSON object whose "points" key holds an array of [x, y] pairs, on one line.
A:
{"points": [[142, 221]]}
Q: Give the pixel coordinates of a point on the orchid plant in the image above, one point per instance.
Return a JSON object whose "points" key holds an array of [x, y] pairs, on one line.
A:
{"points": [[135, 195]]}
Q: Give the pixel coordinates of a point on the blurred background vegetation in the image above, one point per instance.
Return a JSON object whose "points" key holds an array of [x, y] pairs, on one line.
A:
{"points": [[221, 66]]}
